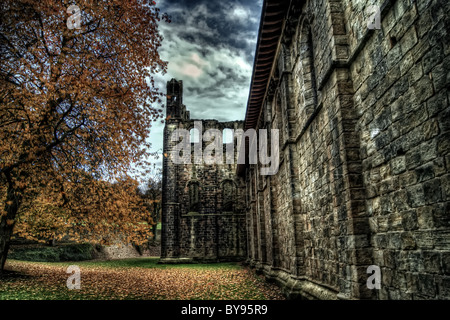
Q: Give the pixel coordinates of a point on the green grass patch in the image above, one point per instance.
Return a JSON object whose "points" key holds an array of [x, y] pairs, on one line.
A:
{"points": [[151, 262], [40, 293]]}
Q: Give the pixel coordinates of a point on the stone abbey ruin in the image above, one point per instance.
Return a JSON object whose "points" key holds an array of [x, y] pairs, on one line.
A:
{"points": [[363, 179]]}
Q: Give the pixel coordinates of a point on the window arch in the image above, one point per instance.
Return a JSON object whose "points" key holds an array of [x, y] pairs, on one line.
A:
{"points": [[194, 134], [306, 64], [228, 136], [304, 75], [279, 115], [194, 199], [228, 195]]}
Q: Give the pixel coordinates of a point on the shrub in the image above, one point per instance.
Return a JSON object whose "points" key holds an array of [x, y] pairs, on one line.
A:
{"points": [[71, 252], [76, 252]]}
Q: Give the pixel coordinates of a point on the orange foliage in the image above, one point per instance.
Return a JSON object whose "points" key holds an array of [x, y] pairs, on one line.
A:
{"points": [[76, 107], [88, 211]]}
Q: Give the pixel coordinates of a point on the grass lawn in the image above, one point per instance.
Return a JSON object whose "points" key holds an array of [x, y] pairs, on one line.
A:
{"points": [[140, 278]]}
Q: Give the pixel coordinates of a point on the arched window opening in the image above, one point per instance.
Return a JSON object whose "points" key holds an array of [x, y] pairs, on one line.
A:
{"points": [[194, 135], [310, 55], [307, 78], [194, 202], [279, 115], [228, 195], [304, 84], [228, 136]]}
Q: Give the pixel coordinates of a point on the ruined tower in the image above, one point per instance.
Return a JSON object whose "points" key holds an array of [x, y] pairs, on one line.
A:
{"points": [[203, 212]]}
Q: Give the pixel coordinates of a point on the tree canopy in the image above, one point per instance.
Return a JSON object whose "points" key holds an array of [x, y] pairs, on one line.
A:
{"points": [[77, 98]]}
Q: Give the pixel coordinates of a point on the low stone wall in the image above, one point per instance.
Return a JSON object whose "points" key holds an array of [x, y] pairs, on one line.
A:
{"points": [[126, 252]]}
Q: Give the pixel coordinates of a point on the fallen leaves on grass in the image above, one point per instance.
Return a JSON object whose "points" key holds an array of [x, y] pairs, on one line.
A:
{"points": [[46, 281]]}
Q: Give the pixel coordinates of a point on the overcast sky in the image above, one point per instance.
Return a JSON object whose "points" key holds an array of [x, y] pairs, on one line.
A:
{"points": [[210, 45]]}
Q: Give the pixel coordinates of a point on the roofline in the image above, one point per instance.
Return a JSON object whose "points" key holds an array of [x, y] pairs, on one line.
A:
{"points": [[270, 30]]}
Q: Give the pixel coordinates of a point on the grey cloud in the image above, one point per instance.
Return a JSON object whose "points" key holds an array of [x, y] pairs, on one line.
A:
{"points": [[209, 45]]}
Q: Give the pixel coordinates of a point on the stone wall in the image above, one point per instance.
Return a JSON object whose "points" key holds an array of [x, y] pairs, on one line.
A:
{"points": [[125, 252], [364, 162], [363, 179], [203, 215]]}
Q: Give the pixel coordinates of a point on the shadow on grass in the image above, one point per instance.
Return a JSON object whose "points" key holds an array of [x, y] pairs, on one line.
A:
{"points": [[144, 262], [10, 275], [152, 262]]}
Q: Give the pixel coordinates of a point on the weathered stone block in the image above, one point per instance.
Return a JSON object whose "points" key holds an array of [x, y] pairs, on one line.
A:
{"points": [[443, 143], [425, 217], [445, 183], [409, 261], [409, 220], [398, 165], [430, 129], [443, 287], [408, 178], [425, 172], [412, 279], [416, 196], [442, 239], [437, 103], [425, 239], [423, 24], [422, 6], [390, 258], [408, 242], [394, 240], [381, 240], [441, 76], [423, 88], [415, 73], [444, 120], [432, 58], [432, 191], [432, 261], [427, 285], [408, 40], [446, 262]]}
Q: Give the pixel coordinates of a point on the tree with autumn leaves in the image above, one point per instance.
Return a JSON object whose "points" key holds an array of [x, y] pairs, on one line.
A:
{"points": [[77, 99], [152, 195]]}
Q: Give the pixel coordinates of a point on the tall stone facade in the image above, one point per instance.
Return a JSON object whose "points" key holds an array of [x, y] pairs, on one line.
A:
{"points": [[364, 128], [364, 121], [203, 217]]}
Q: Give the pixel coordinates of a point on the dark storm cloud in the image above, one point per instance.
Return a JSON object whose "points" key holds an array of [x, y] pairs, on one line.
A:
{"points": [[209, 45], [215, 23]]}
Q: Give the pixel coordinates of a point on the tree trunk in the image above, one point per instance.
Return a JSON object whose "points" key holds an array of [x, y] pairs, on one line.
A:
{"points": [[154, 232], [7, 221]]}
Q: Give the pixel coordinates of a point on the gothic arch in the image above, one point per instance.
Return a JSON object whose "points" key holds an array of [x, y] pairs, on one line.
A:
{"points": [[278, 113], [304, 79], [195, 135], [194, 195], [229, 191]]}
